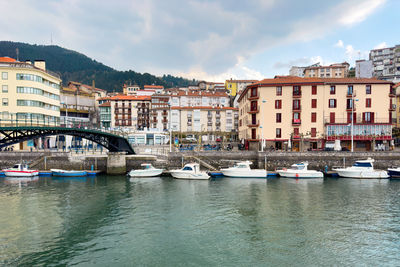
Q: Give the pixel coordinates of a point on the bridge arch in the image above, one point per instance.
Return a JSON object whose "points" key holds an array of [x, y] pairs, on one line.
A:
{"points": [[17, 134]]}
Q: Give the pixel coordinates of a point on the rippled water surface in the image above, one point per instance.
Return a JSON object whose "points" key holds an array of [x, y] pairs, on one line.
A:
{"points": [[113, 221]]}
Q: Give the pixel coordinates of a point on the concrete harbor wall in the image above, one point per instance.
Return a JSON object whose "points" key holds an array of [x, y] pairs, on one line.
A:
{"points": [[218, 159]]}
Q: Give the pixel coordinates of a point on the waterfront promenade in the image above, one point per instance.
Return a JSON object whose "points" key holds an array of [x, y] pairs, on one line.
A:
{"points": [[271, 160]]}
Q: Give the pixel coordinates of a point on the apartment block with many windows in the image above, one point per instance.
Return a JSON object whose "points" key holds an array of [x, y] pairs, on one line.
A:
{"points": [[307, 113]]}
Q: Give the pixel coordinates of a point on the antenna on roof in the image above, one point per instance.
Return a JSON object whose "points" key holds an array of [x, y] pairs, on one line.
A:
{"points": [[17, 51]]}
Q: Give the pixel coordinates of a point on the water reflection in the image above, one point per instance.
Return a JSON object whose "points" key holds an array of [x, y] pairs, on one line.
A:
{"points": [[164, 221]]}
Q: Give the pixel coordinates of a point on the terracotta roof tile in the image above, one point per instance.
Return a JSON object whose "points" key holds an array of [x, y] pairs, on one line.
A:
{"points": [[130, 97], [7, 59], [206, 107]]}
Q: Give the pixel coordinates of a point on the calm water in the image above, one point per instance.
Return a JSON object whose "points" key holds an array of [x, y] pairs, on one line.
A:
{"points": [[111, 221]]}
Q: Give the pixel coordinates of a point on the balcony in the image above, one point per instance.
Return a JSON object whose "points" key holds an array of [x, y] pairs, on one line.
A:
{"points": [[209, 123], [189, 123], [217, 115], [209, 116], [392, 93], [349, 108], [392, 107], [254, 96], [350, 95], [253, 110], [254, 124], [164, 121], [297, 94], [296, 108], [296, 121]]}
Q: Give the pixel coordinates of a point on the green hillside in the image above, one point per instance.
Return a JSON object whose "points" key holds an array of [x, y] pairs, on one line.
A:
{"points": [[74, 66]]}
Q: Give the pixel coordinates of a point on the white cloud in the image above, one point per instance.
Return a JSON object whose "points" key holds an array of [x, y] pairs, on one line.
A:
{"points": [[358, 12], [381, 45], [203, 38], [339, 44]]}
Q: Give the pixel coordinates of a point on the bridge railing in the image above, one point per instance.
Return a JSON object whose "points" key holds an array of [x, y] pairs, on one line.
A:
{"points": [[63, 123]]}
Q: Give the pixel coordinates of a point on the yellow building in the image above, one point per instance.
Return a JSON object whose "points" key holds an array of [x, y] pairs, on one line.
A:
{"points": [[311, 113], [30, 94], [235, 86]]}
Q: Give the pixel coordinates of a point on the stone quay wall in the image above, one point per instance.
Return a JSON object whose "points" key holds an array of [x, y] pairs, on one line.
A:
{"points": [[218, 159]]}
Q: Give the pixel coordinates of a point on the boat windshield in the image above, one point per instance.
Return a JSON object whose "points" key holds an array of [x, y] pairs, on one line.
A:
{"points": [[187, 168], [362, 164], [15, 167], [298, 166]]}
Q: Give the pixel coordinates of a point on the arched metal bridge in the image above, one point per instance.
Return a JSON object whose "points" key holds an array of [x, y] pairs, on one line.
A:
{"points": [[16, 134]]}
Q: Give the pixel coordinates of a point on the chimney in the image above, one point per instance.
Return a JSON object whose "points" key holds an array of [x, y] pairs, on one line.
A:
{"points": [[40, 64]]}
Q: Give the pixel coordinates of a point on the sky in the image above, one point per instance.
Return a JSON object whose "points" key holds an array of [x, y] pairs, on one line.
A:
{"points": [[207, 40]]}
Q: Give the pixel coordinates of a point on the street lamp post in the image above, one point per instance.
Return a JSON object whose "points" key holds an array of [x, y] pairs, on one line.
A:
{"points": [[262, 132], [352, 121], [170, 128]]}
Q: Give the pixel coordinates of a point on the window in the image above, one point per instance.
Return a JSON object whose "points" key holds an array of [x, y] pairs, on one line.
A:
{"points": [[296, 131], [313, 103], [368, 117], [349, 117], [313, 132], [278, 117], [368, 89], [350, 90], [332, 117], [368, 102], [333, 90], [332, 103], [278, 132], [296, 90], [5, 102], [253, 134], [240, 122], [4, 75], [349, 104], [296, 118], [278, 104], [314, 90], [5, 88], [279, 90], [313, 117], [253, 92], [296, 104]]}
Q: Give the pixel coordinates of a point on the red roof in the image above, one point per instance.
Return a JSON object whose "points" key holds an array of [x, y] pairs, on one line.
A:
{"points": [[396, 85], [153, 87], [7, 59]]}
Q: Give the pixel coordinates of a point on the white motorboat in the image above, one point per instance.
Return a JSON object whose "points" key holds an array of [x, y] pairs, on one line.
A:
{"points": [[300, 170], [147, 171], [242, 169], [190, 171], [362, 169], [20, 170], [394, 172]]}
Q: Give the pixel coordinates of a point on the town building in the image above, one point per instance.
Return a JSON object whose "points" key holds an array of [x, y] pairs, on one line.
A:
{"points": [[235, 86], [337, 70], [79, 105], [364, 69], [396, 107], [386, 63], [127, 111], [147, 90], [30, 94], [194, 112], [311, 113]]}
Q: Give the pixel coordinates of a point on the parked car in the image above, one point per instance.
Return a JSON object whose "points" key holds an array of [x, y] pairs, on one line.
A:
{"points": [[190, 139]]}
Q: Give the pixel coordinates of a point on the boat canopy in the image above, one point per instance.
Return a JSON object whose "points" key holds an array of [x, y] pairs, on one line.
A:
{"points": [[362, 164], [299, 166]]}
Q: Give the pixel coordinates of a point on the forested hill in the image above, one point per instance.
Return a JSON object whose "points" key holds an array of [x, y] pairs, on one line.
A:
{"points": [[74, 66]]}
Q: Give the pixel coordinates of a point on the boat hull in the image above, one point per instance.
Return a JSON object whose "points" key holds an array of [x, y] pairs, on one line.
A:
{"points": [[394, 173], [64, 173], [144, 173], [179, 174], [11, 173], [244, 174], [300, 175], [359, 174]]}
